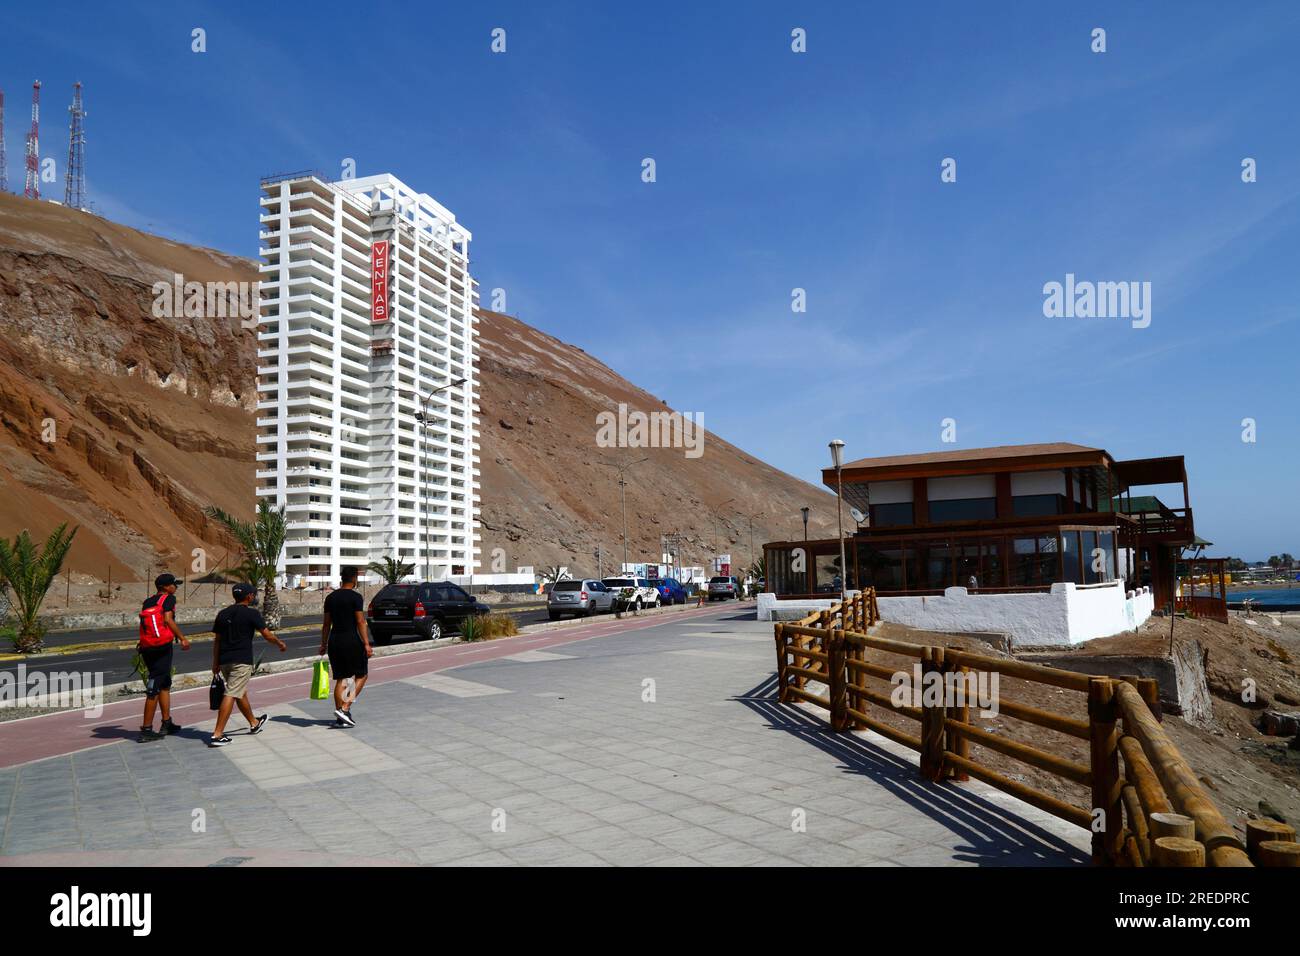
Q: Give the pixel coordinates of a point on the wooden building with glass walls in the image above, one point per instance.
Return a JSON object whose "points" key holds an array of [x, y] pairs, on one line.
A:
{"points": [[1005, 519]]}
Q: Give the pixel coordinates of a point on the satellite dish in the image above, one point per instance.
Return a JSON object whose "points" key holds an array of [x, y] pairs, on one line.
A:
{"points": [[858, 516]]}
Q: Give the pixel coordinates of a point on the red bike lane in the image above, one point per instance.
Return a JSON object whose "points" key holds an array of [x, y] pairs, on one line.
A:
{"points": [[65, 732]]}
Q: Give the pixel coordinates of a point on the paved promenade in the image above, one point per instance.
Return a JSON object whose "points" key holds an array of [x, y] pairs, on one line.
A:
{"points": [[650, 741]]}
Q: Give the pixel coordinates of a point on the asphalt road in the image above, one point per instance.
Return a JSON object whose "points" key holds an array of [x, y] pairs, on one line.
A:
{"points": [[301, 633]]}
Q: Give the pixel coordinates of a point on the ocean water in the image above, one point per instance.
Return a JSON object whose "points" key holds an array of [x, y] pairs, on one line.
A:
{"points": [[1265, 598]]}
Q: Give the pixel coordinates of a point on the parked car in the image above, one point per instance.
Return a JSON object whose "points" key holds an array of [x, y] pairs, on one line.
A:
{"points": [[579, 597], [643, 594], [670, 590], [429, 610], [724, 588]]}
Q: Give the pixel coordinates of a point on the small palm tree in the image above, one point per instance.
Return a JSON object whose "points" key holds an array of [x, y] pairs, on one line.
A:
{"points": [[28, 571], [391, 570], [552, 574], [262, 541]]}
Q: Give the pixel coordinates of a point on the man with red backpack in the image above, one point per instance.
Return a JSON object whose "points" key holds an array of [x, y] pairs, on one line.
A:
{"points": [[158, 631]]}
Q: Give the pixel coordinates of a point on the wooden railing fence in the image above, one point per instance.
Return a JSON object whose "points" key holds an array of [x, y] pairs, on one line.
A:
{"points": [[1148, 807]]}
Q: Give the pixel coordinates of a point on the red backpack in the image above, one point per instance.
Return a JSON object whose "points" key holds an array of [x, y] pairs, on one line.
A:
{"points": [[154, 631]]}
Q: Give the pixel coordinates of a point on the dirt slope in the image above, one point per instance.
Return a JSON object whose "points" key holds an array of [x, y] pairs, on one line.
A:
{"points": [[154, 417], [151, 415]]}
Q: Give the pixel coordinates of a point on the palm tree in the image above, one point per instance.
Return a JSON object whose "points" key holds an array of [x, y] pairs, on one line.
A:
{"points": [[29, 572], [262, 541], [391, 570]]}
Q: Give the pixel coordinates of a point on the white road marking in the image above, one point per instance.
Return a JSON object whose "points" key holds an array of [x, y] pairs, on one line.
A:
{"points": [[453, 686], [531, 657]]}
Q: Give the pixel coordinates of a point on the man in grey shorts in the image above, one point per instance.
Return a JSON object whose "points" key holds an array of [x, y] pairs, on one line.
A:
{"points": [[232, 657]]}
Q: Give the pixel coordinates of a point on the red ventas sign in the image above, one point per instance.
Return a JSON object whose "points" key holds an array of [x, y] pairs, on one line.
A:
{"points": [[379, 281]]}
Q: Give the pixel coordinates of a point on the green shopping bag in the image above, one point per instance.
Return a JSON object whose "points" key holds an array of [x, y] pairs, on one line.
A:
{"points": [[320, 680]]}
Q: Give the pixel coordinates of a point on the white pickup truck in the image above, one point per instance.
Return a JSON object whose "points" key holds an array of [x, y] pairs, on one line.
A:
{"points": [[644, 593]]}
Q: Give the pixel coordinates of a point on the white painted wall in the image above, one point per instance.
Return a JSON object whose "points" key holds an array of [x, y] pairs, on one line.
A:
{"points": [[1068, 614], [890, 492], [1038, 483], [959, 489]]}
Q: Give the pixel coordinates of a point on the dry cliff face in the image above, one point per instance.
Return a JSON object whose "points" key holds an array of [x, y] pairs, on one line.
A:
{"points": [[153, 420], [549, 495], [111, 418]]}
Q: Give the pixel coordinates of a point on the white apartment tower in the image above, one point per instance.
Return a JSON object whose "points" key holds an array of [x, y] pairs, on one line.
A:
{"points": [[366, 417]]}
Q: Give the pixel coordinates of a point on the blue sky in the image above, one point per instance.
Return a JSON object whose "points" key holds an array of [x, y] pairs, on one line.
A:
{"points": [[776, 171]]}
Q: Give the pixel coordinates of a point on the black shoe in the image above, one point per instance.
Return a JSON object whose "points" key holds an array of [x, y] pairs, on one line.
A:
{"points": [[344, 717], [259, 727], [148, 734], [170, 726], [351, 718], [219, 741]]}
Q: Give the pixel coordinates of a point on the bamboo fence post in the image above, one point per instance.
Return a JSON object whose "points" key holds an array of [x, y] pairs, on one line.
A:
{"points": [[781, 655], [931, 717], [1261, 831], [1177, 851], [1149, 688], [1172, 825], [957, 743], [1278, 853], [834, 645], [859, 683], [1137, 823], [1104, 753]]}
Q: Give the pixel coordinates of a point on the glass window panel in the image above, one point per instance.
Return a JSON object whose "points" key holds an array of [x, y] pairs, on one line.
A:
{"points": [[1071, 571], [884, 516], [1032, 506], [964, 509]]}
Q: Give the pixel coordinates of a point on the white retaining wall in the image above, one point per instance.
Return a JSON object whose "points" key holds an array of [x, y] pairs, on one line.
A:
{"points": [[1068, 614]]}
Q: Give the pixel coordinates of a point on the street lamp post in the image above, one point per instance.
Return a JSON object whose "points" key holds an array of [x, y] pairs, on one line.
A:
{"points": [[837, 459], [423, 419], [807, 564], [757, 514], [717, 536], [622, 491]]}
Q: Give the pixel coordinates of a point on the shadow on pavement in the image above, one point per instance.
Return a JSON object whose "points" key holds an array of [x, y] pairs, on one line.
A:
{"points": [[994, 836]]}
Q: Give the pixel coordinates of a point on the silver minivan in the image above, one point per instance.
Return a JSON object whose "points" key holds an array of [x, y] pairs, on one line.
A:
{"points": [[579, 597]]}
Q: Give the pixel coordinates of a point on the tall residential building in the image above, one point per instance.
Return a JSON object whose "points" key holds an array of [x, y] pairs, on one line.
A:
{"points": [[367, 323]]}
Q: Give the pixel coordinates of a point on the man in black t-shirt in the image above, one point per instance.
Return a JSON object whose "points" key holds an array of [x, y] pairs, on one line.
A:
{"points": [[343, 633], [232, 657], [158, 634]]}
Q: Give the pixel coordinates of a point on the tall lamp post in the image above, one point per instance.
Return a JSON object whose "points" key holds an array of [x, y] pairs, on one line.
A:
{"points": [[424, 420], [622, 491], [837, 459], [757, 514], [807, 564], [717, 536]]}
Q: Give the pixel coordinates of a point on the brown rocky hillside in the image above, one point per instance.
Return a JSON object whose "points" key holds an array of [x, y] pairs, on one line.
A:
{"points": [[153, 420]]}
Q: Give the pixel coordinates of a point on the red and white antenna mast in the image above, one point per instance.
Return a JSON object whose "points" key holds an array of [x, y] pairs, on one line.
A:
{"points": [[74, 190], [32, 185]]}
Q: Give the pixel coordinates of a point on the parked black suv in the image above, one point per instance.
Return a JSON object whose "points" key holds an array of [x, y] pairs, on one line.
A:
{"points": [[429, 610]]}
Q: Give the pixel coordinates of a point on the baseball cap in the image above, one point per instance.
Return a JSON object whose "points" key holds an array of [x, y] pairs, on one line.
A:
{"points": [[241, 591], [164, 580]]}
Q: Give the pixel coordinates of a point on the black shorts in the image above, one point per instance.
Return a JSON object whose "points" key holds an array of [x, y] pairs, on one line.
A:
{"points": [[158, 660], [348, 657]]}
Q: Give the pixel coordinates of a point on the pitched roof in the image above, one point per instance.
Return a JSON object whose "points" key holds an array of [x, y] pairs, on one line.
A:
{"points": [[975, 454]]}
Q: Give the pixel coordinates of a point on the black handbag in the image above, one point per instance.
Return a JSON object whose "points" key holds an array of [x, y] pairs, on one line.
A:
{"points": [[216, 692]]}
